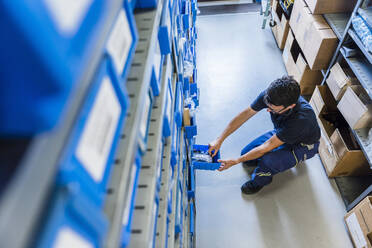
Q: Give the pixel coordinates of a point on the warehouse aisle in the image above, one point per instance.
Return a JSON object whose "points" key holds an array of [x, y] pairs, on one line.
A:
{"points": [[301, 208]]}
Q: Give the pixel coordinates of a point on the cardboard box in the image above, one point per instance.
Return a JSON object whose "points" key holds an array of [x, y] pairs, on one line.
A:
{"points": [[359, 223], [339, 78], [330, 6], [186, 117], [338, 150], [297, 66], [315, 37], [356, 107], [280, 30]]}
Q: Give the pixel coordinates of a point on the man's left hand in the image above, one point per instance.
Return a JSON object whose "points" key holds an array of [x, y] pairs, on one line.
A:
{"points": [[226, 164]]}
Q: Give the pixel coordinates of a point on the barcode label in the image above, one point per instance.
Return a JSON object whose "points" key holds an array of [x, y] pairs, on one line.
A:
{"points": [[98, 133], [120, 41], [145, 117], [66, 237], [68, 14]]}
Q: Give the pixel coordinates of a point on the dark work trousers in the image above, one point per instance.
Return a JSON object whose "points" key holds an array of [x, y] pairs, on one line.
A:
{"points": [[278, 160]]}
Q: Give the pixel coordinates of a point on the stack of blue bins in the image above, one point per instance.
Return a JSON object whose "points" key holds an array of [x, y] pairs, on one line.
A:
{"points": [[75, 213]]}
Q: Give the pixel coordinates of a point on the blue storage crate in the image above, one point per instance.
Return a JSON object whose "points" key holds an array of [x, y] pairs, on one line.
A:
{"points": [[170, 201], [45, 48], [156, 70], [146, 4], [175, 145], [168, 110], [179, 209], [131, 200], [192, 130], [186, 86], [122, 40], [195, 93], [191, 184], [72, 220], [159, 165], [145, 122], [204, 165], [192, 219], [186, 21], [89, 153], [132, 4], [178, 110], [165, 32]]}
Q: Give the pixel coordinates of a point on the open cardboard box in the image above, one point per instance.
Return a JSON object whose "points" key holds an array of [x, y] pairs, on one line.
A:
{"points": [[338, 150], [359, 223], [330, 6], [315, 37], [297, 66], [340, 77], [280, 30], [356, 107]]}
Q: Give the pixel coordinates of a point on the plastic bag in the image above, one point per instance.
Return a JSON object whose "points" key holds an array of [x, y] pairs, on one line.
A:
{"points": [[363, 31]]}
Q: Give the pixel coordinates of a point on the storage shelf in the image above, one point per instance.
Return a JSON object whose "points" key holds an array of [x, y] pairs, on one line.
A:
{"points": [[338, 22], [151, 164], [363, 71], [137, 85], [359, 43], [365, 143], [17, 219]]}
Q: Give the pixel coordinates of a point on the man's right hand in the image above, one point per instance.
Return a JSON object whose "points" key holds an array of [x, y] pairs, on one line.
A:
{"points": [[214, 147]]}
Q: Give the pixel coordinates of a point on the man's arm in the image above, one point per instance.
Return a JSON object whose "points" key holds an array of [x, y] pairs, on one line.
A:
{"points": [[255, 153], [231, 127]]}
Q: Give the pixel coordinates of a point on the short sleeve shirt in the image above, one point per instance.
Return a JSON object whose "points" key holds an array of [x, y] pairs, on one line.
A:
{"points": [[298, 125]]}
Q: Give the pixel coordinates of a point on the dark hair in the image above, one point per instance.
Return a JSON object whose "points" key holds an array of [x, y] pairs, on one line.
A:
{"points": [[283, 91]]}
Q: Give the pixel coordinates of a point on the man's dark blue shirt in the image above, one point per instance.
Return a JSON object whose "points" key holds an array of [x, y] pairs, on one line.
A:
{"points": [[297, 125]]}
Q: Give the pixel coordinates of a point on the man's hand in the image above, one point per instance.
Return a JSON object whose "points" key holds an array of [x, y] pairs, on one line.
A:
{"points": [[225, 164], [214, 147]]}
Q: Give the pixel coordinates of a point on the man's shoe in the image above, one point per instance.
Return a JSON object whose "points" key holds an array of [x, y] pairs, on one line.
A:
{"points": [[248, 188]]}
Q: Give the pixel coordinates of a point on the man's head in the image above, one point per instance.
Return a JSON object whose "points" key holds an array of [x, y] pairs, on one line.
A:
{"points": [[282, 95]]}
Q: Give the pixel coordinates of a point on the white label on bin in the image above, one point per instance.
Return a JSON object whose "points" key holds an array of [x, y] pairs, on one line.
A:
{"points": [[145, 116], [120, 41], [67, 237], [130, 195], [98, 134], [355, 231], [68, 14], [157, 60]]}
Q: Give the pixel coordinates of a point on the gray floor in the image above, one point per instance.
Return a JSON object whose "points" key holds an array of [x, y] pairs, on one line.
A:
{"points": [[301, 208]]}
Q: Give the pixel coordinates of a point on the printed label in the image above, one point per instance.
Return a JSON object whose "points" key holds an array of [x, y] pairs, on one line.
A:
{"points": [[120, 41], [98, 134], [130, 195], [355, 231], [145, 117], [68, 238], [68, 14], [157, 60]]}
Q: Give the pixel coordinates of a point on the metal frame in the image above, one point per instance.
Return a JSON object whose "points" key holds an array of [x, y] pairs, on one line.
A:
{"points": [[147, 188], [362, 68], [138, 84], [34, 181]]}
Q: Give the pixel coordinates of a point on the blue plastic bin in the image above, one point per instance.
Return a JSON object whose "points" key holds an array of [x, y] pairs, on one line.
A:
{"points": [[191, 183], [89, 153], [165, 32], [156, 70], [179, 209], [45, 48], [168, 110], [145, 122], [204, 165], [131, 200], [192, 130], [178, 108], [72, 220], [122, 41], [175, 145], [146, 4]]}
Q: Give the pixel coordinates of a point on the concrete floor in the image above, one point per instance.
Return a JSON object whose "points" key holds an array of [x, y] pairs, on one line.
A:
{"points": [[302, 207]]}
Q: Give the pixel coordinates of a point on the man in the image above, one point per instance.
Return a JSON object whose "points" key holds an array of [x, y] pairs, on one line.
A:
{"points": [[295, 137]]}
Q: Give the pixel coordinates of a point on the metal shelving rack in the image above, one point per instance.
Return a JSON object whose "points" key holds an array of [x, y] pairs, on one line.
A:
{"points": [[362, 68], [137, 85], [38, 167]]}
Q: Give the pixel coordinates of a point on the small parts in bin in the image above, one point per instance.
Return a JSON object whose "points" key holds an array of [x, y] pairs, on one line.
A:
{"points": [[202, 156]]}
